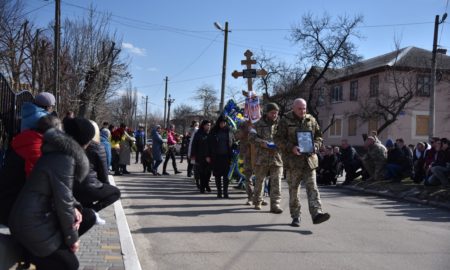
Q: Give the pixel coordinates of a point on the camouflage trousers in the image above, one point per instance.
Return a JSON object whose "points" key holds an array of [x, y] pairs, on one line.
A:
{"points": [[374, 168], [274, 172], [248, 172], [294, 178]]}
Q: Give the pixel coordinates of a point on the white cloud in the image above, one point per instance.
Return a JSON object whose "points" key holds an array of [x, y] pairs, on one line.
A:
{"points": [[134, 50], [152, 69]]}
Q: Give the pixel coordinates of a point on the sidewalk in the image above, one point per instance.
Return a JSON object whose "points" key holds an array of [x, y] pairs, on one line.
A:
{"points": [[109, 246]]}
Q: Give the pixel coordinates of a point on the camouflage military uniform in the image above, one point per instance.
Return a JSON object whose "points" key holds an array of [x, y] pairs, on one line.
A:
{"points": [[268, 162], [244, 153], [375, 160], [303, 167]]}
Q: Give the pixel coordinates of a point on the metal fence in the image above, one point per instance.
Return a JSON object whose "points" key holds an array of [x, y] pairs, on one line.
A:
{"points": [[10, 109]]}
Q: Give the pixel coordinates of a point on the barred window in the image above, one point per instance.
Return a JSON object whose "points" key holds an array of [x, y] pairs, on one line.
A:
{"points": [[354, 90], [374, 86], [423, 85]]}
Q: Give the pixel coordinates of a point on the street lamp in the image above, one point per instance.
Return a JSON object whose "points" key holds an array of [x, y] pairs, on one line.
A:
{"points": [[169, 102], [433, 75], [224, 66]]}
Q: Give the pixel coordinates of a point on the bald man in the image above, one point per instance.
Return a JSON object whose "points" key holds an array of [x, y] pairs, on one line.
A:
{"points": [[301, 165]]}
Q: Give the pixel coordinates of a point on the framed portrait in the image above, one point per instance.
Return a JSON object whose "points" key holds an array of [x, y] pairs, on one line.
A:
{"points": [[305, 142]]}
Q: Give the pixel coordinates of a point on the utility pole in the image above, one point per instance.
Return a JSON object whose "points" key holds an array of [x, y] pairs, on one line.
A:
{"points": [[432, 113], [169, 103], [145, 118], [165, 103], [224, 65], [56, 92]]}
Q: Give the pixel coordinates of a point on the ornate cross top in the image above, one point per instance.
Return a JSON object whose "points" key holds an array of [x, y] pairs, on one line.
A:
{"points": [[250, 72]]}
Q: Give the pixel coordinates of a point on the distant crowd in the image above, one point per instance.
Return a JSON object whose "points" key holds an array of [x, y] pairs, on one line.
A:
{"points": [[426, 162]]}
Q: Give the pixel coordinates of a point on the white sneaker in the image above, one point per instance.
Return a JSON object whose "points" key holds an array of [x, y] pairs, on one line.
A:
{"points": [[99, 220]]}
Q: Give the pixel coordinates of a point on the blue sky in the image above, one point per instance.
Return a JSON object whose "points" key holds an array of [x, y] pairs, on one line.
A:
{"points": [[177, 38]]}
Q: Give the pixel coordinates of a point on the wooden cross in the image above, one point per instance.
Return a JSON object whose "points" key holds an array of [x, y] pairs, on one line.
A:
{"points": [[250, 72]]}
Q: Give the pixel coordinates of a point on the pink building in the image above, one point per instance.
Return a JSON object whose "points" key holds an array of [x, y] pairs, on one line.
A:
{"points": [[361, 96]]}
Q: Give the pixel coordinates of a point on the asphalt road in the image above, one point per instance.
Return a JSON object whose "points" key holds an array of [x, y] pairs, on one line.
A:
{"points": [[176, 227]]}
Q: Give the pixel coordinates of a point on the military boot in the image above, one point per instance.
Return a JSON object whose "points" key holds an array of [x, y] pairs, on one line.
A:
{"points": [[295, 222], [276, 209], [321, 217]]}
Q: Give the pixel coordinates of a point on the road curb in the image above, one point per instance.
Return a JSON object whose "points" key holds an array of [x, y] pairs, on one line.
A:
{"points": [[130, 258], [391, 195]]}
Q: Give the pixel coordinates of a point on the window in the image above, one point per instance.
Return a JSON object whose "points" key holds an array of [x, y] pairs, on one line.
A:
{"points": [[372, 125], [423, 85], [352, 125], [374, 86], [422, 125], [336, 93], [321, 96], [354, 90], [336, 128]]}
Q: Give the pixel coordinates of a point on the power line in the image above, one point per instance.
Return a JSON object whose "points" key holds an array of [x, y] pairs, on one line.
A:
{"points": [[198, 57], [181, 81], [442, 27]]}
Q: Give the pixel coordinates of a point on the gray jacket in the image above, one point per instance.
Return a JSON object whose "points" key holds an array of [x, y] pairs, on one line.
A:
{"points": [[43, 215]]}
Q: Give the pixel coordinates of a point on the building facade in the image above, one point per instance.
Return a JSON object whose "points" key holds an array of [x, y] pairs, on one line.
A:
{"points": [[363, 97]]}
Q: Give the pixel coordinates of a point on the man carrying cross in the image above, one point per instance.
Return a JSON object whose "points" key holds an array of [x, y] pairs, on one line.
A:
{"points": [[267, 158]]}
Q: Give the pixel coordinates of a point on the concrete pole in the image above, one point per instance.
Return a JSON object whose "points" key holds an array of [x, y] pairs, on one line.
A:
{"points": [[433, 80], [224, 69]]}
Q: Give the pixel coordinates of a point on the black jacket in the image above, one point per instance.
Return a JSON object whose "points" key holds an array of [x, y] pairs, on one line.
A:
{"points": [[43, 215], [12, 179], [200, 147]]}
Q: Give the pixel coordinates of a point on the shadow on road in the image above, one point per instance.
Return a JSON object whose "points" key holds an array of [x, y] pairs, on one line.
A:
{"points": [[223, 229]]}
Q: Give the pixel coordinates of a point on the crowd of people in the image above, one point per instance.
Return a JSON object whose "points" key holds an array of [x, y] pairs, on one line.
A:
{"points": [[54, 182], [55, 177], [425, 163]]}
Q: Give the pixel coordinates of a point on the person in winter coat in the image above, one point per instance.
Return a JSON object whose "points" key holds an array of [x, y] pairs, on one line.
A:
{"points": [[157, 148], [95, 191], [105, 136], [139, 135], [147, 159], [43, 218], [220, 141], [199, 155], [192, 130], [43, 104], [328, 168], [21, 157]]}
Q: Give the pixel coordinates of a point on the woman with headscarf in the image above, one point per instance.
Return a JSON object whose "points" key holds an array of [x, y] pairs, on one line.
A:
{"points": [[220, 142], [157, 144]]}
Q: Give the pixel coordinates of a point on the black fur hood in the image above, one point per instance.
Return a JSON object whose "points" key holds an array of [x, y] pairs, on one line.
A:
{"points": [[57, 141]]}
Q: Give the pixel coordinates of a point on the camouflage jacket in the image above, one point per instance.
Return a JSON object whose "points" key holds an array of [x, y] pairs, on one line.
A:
{"points": [[261, 134], [241, 134], [376, 152], [286, 139]]}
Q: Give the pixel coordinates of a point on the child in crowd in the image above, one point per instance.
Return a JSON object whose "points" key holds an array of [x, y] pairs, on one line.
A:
{"points": [[147, 158]]}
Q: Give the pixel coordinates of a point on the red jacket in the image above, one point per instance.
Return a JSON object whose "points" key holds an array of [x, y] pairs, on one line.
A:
{"points": [[27, 145]]}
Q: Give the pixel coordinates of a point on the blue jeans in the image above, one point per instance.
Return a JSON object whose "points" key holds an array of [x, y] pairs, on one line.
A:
{"points": [[393, 171]]}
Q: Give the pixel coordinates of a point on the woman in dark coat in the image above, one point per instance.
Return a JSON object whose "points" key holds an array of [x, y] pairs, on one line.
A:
{"points": [[199, 155], [157, 144], [95, 191], [43, 218], [220, 142]]}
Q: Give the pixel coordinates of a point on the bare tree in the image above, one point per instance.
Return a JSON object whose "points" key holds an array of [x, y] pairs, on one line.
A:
{"points": [[282, 81], [183, 115], [325, 43], [123, 109], [14, 42], [96, 66], [207, 95], [403, 83]]}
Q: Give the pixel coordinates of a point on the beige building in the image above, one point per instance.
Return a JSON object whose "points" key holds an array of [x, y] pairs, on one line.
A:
{"points": [[364, 96]]}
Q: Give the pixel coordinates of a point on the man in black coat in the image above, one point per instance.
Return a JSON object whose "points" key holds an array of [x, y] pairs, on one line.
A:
{"points": [[351, 161]]}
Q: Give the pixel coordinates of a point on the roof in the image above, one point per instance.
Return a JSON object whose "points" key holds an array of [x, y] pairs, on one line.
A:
{"points": [[409, 57]]}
